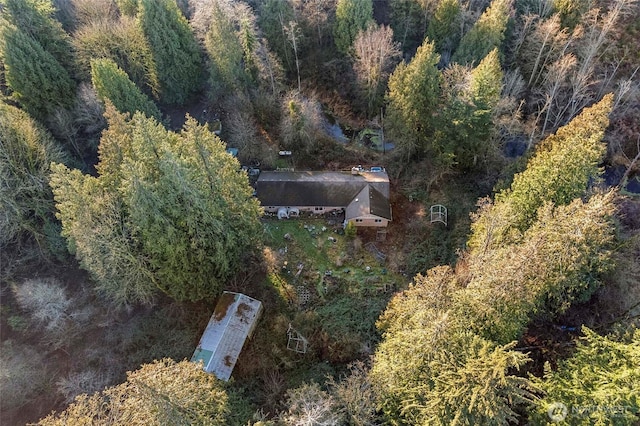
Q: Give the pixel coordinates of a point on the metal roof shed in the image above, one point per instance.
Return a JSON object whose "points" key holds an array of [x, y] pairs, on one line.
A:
{"points": [[233, 321]]}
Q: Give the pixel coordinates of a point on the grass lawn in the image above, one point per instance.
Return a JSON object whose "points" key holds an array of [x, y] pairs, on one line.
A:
{"points": [[331, 289]]}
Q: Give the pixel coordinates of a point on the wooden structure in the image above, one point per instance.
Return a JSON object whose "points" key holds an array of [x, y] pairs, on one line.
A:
{"points": [[296, 342]]}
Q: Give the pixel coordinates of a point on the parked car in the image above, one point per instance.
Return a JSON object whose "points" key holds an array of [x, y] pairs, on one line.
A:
{"points": [[377, 169]]}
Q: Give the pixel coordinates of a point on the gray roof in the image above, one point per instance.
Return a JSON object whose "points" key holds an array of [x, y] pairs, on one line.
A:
{"points": [[369, 202], [321, 189], [233, 320]]}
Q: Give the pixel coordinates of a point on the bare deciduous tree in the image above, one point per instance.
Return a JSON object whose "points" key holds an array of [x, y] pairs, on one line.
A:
{"points": [[301, 122], [293, 35], [22, 372], [317, 15], [46, 301], [355, 396], [374, 54], [310, 405]]}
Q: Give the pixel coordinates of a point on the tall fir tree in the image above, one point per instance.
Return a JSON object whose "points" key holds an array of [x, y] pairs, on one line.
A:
{"points": [[561, 169], [598, 384], [484, 93], [226, 67], [559, 261], [352, 16], [175, 51], [26, 152], [113, 84], [443, 27], [36, 18], [163, 392], [414, 97], [486, 34], [430, 368], [37, 79], [168, 211], [124, 43]]}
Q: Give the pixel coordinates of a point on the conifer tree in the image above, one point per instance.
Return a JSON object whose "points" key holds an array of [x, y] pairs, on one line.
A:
{"points": [[114, 84], [98, 232], [125, 44], [429, 368], [408, 20], [485, 35], [163, 392], [463, 136], [442, 27], [352, 16], [168, 211], [26, 152], [225, 53], [273, 17], [559, 261], [37, 79], [35, 18], [598, 384], [175, 51], [414, 96], [563, 166]]}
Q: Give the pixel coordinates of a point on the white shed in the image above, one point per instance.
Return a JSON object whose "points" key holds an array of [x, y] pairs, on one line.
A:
{"points": [[233, 321]]}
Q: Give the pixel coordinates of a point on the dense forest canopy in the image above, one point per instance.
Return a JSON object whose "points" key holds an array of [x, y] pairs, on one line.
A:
{"points": [[131, 136]]}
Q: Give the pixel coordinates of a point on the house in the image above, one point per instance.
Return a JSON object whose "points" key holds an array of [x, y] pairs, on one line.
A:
{"points": [[232, 322], [362, 195]]}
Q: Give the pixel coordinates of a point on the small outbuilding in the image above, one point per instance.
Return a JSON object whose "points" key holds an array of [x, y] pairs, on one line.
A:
{"points": [[233, 321]]}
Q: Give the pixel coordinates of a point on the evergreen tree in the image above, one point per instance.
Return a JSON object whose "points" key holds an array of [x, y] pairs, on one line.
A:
{"points": [[175, 51], [114, 84], [227, 73], [408, 20], [35, 18], [125, 44], [443, 27], [273, 17], [352, 16], [598, 385], [37, 79], [558, 262], [563, 166], [98, 232], [485, 35], [414, 97], [168, 210], [463, 137], [428, 368], [486, 82], [160, 393], [127, 7], [26, 152], [484, 93]]}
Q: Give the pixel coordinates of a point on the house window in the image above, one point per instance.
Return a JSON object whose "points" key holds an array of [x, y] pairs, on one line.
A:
{"points": [[358, 220], [319, 208], [378, 221]]}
